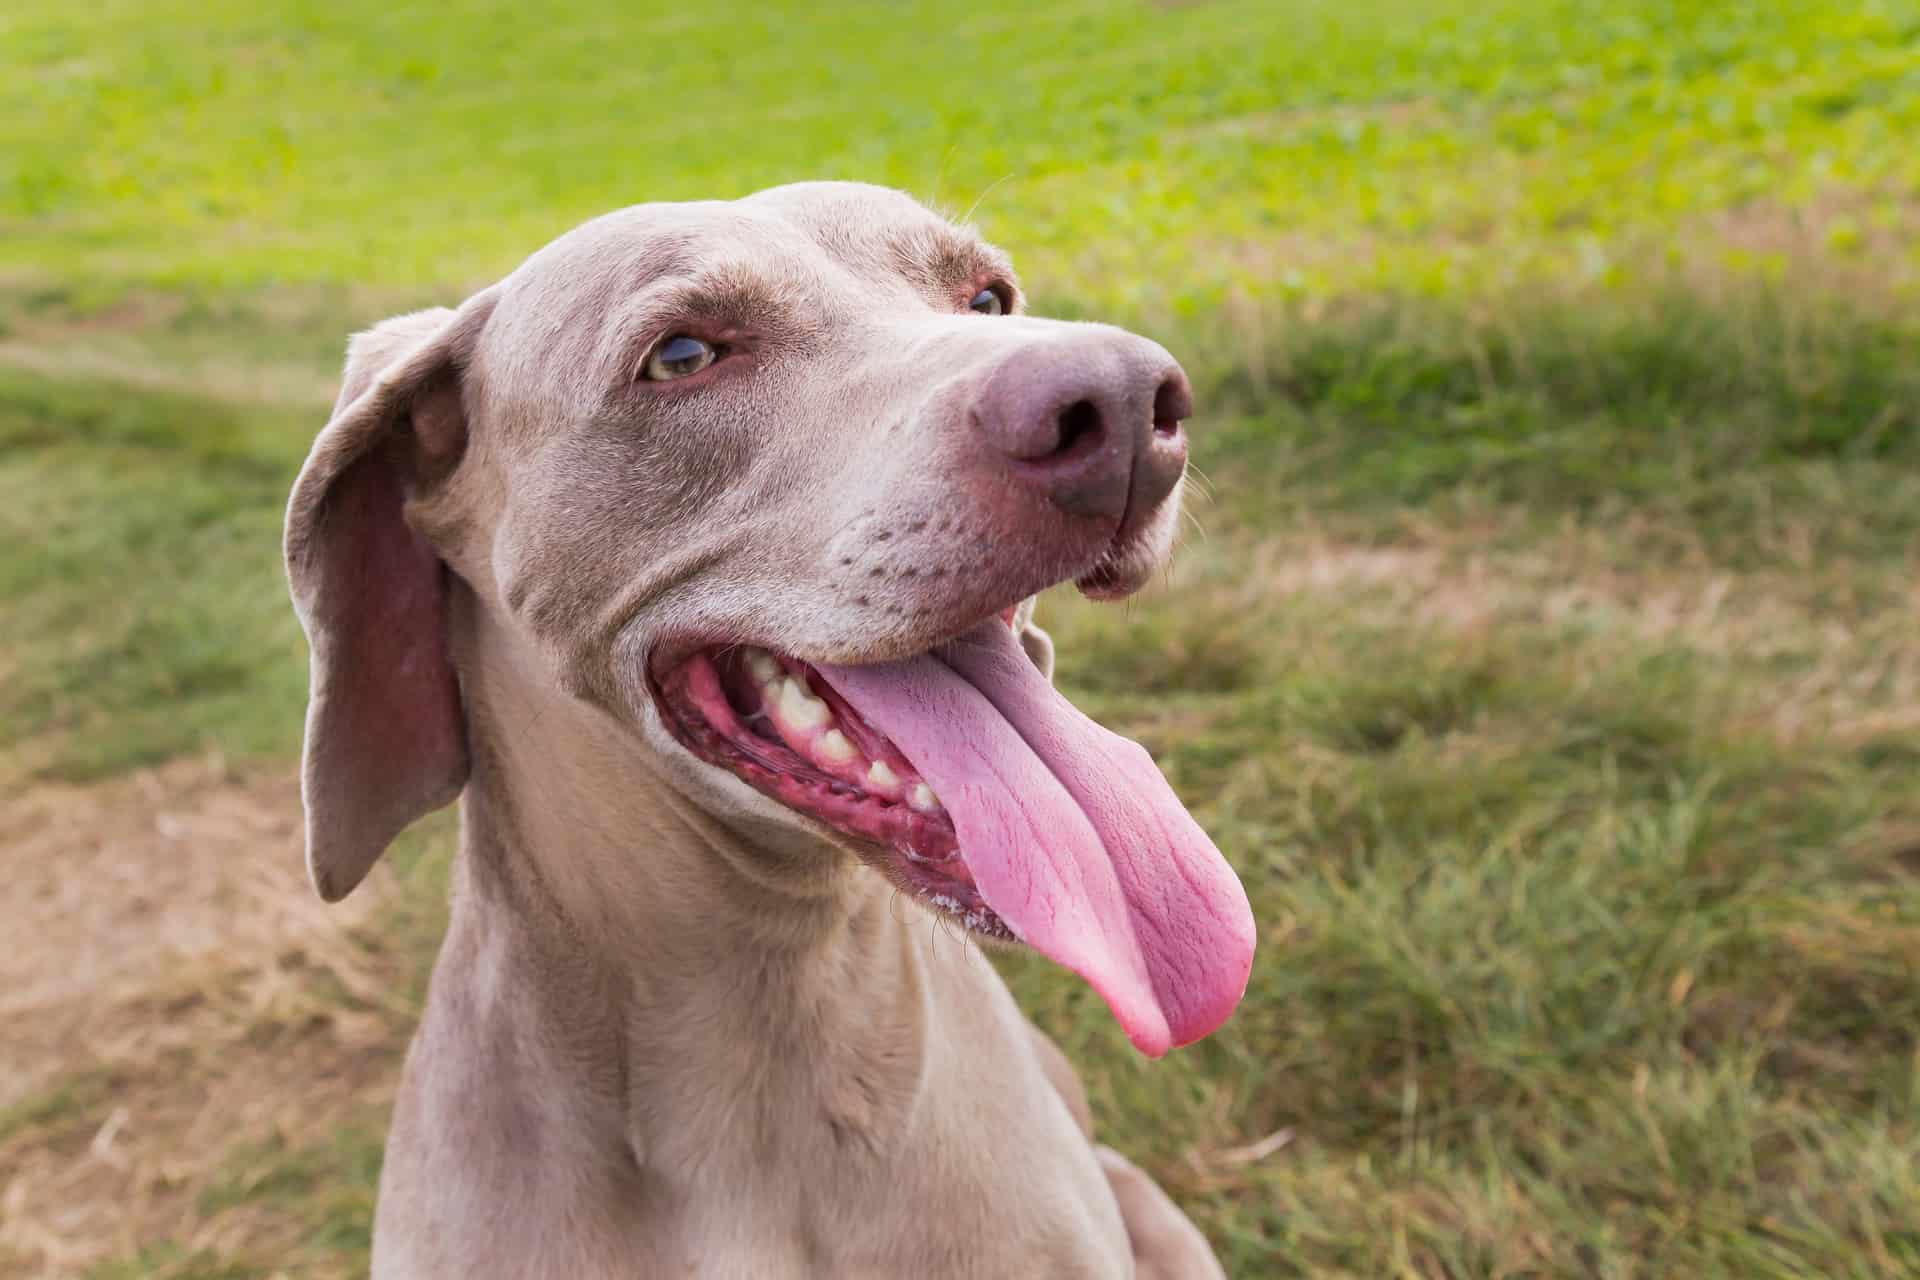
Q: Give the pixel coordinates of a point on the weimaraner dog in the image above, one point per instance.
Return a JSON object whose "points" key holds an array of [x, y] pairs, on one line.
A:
{"points": [[697, 558]]}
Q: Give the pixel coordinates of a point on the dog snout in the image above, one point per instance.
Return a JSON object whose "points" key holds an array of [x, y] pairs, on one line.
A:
{"points": [[1093, 422]]}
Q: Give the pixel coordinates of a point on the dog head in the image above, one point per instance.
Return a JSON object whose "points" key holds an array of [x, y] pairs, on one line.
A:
{"points": [[773, 483]]}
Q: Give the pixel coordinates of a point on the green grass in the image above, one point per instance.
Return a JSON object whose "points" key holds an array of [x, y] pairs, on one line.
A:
{"points": [[151, 617], [1546, 664], [1239, 146], [74, 1099], [328, 1186], [167, 1262], [1568, 969]]}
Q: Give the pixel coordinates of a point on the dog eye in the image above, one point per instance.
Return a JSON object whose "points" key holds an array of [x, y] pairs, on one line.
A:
{"points": [[988, 302], [678, 357]]}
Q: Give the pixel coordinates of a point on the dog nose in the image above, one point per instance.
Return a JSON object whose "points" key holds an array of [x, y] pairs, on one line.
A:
{"points": [[1094, 422]]}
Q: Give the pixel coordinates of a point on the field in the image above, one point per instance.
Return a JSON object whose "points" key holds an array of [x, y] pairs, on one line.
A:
{"points": [[1547, 658]]}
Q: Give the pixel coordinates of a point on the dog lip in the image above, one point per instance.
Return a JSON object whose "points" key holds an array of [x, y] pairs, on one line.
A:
{"points": [[668, 652], [1108, 578], [820, 760]]}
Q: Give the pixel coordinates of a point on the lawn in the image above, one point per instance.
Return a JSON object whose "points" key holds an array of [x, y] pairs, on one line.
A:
{"points": [[1545, 658]]}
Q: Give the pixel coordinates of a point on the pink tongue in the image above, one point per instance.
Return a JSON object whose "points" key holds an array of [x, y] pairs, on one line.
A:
{"points": [[1073, 837]]}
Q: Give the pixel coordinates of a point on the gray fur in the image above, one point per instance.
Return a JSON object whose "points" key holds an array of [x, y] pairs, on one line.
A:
{"points": [[675, 1028]]}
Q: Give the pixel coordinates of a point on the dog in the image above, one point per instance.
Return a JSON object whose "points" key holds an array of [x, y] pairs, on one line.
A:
{"points": [[696, 558]]}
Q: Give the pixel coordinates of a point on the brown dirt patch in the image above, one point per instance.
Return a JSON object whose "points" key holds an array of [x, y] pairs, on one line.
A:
{"points": [[174, 989]]}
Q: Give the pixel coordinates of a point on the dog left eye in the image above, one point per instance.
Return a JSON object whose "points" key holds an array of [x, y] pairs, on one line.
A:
{"points": [[988, 302], [679, 356]]}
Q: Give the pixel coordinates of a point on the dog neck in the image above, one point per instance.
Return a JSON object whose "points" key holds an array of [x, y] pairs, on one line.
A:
{"points": [[675, 963]]}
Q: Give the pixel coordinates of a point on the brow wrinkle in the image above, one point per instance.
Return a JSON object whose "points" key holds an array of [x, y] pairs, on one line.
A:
{"points": [[944, 259], [717, 297]]}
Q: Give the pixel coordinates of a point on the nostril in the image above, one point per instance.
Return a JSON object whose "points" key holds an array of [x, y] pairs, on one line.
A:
{"points": [[1172, 405], [1079, 421]]}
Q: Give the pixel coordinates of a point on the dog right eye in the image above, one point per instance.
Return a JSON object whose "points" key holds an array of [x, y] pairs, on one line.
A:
{"points": [[989, 302], [677, 357]]}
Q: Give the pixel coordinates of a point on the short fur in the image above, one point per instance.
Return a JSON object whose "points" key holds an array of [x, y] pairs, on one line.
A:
{"points": [[675, 1028]]}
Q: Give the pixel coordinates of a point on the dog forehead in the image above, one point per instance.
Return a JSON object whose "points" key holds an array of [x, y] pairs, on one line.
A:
{"points": [[880, 234], [842, 246], [818, 233], [626, 250], [837, 213], [850, 222]]}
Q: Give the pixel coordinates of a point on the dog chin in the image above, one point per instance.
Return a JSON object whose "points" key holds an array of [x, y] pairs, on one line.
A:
{"points": [[1130, 563]]}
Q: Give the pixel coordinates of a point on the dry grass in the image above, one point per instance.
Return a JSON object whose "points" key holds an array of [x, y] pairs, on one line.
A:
{"points": [[190, 1024], [176, 993], [1551, 675], [1840, 666]]}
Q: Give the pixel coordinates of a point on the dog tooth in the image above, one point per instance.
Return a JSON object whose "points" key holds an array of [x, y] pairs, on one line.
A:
{"points": [[834, 748], [762, 665], [881, 776], [914, 855], [923, 799], [800, 709]]}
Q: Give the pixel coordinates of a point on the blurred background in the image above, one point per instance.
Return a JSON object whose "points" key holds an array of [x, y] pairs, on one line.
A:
{"points": [[1545, 656]]}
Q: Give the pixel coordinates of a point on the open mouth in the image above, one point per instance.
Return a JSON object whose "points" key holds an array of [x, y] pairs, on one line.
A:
{"points": [[972, 784], [778, 724]]}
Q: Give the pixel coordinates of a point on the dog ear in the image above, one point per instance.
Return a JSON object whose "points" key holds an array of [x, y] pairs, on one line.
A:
{"points": [[385, 737], [1037, 643]]}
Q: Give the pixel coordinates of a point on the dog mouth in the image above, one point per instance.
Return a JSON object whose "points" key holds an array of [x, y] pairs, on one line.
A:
{"points": [[779, 725], [966, 779]]}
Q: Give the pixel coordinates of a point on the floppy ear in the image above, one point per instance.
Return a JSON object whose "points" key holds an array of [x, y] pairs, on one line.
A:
{"points": [[386, 738]]}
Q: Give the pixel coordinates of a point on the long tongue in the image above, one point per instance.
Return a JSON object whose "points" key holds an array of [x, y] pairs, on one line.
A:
{"points": [[1073, 837]]}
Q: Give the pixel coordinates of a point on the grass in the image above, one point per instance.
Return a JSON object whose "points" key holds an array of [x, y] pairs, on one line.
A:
{"points": [[1571, 968], [1236, 147], [152, 618], [77, 1095], [1546, 664]]}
